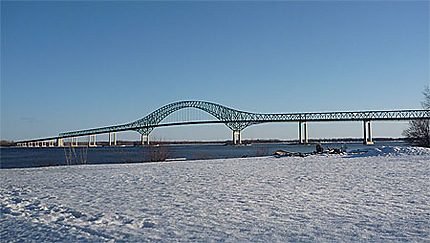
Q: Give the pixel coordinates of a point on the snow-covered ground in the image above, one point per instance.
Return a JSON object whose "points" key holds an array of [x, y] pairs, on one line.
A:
{"points": [[382, 195]]}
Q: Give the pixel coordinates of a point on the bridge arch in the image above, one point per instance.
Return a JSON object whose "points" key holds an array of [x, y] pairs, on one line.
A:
{"points": [[238, 120], [220, 112]]}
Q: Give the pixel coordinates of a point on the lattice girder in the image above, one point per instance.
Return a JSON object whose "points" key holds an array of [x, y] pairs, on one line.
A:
{"points": [[238, 120], [222, 113]]}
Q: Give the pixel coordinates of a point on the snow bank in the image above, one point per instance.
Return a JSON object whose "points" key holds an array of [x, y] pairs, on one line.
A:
{"points": [[391, 151], [317, 198]]}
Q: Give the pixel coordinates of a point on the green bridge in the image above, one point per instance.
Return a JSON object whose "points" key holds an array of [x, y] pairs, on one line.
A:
{"points": [[234, 119]]}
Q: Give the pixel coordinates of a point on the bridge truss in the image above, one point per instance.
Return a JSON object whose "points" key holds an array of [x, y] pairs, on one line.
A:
{"points": [[238, 120]]}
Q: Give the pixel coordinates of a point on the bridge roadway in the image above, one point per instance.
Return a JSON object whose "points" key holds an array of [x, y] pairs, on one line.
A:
{"points": [[234, 119]]}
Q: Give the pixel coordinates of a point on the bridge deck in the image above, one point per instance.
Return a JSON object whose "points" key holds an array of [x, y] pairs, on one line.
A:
{"points": [[238, 120], [267, 118]]}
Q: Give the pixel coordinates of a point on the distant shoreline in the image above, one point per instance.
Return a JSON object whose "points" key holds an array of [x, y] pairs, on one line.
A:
{"points": [[229, 142], [270, 141]]}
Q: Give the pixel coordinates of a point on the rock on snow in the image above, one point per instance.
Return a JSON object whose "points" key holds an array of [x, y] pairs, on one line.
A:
{"points": [[381, 196]]}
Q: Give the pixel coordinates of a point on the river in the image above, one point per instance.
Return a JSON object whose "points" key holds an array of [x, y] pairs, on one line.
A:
{"points": [[38, 157]]}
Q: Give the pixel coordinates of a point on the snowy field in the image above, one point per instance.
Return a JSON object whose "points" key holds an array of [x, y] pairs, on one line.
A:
{"points": [[383, 195]]}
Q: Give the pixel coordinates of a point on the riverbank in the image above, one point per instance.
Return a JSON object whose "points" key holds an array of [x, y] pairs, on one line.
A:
{"points": [[51, 156]]}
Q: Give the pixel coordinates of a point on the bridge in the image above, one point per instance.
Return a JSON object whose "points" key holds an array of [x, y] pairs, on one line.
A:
{"points": [[235, 120]]}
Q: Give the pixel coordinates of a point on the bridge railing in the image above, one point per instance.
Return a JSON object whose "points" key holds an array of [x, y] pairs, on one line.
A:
{"points": [[237, 120], [265, 118]]}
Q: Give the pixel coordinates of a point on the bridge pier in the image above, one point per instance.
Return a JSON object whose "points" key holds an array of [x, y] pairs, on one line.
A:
{"points": [[367, 133], [92, 138], [112, 134], [144, 139], [237, 137], [303, 132], [74, 142], [60, 142]]}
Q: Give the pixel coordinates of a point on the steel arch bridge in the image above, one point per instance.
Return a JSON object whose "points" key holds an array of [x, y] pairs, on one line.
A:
{"points": [[237, 120]]}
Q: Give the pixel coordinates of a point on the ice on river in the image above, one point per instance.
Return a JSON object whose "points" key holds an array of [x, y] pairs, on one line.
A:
{"points": [[317, 198]]}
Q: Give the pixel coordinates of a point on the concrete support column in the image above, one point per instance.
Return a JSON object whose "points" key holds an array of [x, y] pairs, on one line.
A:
{"points": [[305, 128], [303, 132], [114, 138], [43, 143], [367, 132], [75, 142], [60, 142], [237, 137], [144, 139], [92, 138]]}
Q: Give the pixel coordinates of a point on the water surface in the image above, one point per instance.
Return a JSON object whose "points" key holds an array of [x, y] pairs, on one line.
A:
{"points": [[36, 157]]}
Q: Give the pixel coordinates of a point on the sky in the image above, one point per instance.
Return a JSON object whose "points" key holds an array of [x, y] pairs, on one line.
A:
{"points": [[75, 65]]}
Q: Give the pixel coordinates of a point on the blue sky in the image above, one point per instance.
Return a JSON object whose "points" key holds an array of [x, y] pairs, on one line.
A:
{"points": [[76, 65]]}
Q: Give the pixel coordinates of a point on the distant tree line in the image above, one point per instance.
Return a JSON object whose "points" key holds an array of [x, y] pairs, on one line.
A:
{"points": [[5, 143]]}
